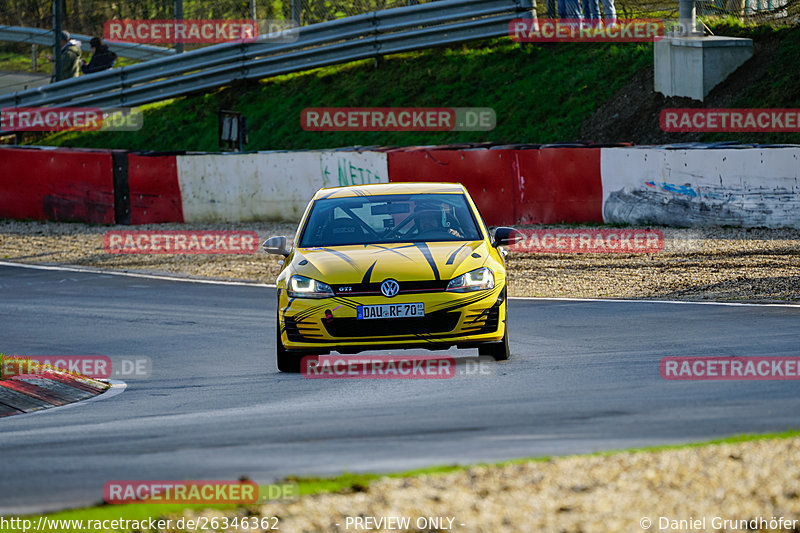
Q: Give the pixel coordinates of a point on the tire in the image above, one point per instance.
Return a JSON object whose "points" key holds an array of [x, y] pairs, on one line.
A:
{"points": [[498, 350], [287, 362]]}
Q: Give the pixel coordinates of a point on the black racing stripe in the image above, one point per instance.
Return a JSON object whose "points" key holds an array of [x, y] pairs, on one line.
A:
{"points": [[460, 304], [467, 301], [394, 250], [428, 257], [454, 254], [285, 310], [340, 255], [365, 280], [310, 311], [483, 314], [345, 301]]}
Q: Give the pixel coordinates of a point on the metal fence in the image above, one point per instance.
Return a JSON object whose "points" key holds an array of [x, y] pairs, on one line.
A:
{"points": [[45, 38], [360, 37], [88, 16]]}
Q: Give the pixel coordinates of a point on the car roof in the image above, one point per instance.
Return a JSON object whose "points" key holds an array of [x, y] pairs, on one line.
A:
{"points": [[390, 188]]}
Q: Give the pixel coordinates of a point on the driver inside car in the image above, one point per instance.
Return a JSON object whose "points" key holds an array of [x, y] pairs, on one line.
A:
{"points": [[429, 225]]}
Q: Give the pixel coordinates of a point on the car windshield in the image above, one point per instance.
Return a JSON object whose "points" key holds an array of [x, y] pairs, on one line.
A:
{"points": [[389, 218]]}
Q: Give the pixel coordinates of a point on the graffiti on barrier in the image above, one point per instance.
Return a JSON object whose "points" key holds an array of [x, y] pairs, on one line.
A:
{"points": [[348, 172]]}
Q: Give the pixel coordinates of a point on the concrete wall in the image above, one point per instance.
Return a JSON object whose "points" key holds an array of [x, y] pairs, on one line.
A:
{"points": [[268, 186], [702, 187]]}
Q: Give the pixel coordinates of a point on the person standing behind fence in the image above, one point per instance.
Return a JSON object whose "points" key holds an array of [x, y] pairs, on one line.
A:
{"points": [[609, 12], [591, 11], [70, 58], [102, 57], [570, 10]]}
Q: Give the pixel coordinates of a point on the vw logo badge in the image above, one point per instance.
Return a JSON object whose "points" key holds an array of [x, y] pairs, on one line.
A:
{"points": [[389, 288]]}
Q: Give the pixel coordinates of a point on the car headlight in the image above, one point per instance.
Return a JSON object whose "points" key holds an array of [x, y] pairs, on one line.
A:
{"points": [[303, 287], [476, 280]]}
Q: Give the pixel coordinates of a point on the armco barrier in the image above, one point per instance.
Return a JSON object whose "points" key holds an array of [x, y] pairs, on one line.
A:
{"points": [[558, 185], [488, 175], [702, 186], [155, 195], [670, 185], [63, 185], [535, 186]]}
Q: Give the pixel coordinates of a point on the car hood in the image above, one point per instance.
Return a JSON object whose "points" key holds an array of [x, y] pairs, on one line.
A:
{"points": [[372, 263]]}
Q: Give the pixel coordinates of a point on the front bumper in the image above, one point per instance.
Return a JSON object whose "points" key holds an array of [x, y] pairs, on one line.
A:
{"points": [[451, 319]]}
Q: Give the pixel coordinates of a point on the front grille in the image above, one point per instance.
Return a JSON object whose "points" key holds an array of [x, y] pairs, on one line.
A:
{"points": [[374, 289], [354, 328]]}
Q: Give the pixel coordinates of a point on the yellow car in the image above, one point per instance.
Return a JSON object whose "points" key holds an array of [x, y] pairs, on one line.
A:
{"points": [[387, 266]]}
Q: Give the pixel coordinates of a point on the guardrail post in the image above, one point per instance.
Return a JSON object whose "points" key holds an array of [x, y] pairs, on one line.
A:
{"points": [[531, 12], [57, 16], [376, 45], [296, 15], [178, 16]]}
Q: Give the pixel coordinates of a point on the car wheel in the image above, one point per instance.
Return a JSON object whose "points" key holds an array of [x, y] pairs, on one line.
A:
{"points": [[498, 350]]}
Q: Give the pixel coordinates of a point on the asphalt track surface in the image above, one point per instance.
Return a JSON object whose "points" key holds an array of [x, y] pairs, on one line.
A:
{"points": [[19, 81], [583, 377]]}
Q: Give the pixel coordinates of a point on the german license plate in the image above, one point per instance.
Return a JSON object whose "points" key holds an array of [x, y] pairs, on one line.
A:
{"points": [[364, 312]]}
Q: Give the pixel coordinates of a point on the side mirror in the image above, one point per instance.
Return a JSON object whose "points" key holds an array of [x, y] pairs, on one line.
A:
{"points": [[276, 245], [506, 236]]}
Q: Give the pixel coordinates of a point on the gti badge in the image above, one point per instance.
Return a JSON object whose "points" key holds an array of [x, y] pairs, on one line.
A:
{"points": [[389, 288]]}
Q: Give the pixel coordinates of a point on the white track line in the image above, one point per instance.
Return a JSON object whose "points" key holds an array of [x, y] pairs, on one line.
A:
{"points": [[131, 274], [272, 285], [680, 302]]}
